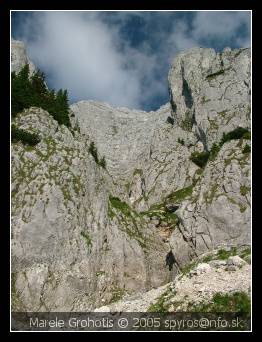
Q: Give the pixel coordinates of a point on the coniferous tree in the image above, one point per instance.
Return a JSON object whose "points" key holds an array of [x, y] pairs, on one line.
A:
{"points": [[61, 108], [39, 88], [27, 138], [21, 90], [29, 91]]}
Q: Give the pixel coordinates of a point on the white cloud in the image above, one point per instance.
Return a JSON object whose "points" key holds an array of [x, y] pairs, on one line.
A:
{"points": [[219, 25], [82, 56], [180, 38], [85, 52]]}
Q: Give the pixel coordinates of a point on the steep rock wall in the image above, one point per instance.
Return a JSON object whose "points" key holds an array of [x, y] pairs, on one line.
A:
{"points": [[83, 235]]}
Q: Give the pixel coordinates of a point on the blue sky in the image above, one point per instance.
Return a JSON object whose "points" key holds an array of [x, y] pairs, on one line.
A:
{"points": [[122, 58]]}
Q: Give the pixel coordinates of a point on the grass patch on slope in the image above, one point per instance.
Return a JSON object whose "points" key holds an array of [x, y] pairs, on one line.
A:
{"points": [[235, 302]]}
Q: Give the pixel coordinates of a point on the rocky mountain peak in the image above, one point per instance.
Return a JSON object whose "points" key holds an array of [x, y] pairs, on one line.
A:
{"points": [[210, 92], [19, 57]]}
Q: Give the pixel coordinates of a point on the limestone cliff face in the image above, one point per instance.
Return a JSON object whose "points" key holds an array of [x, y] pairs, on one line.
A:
{"points": [[210, 92], [19, 57], [84, 236]]}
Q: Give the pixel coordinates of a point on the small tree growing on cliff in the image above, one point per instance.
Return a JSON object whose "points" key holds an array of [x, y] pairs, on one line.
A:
{"points": [[21, 91], [29, 91], [93, 151], [102, 163]]}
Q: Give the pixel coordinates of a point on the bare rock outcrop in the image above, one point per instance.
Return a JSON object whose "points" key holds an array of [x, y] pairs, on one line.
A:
{"points": [[19, 57], [210, 92], [189, 291]]}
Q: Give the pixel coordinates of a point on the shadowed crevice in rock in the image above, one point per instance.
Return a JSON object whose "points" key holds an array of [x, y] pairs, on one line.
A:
{"points": [[186, 91], [170, 260], [187, 94], [172, 103], [202, 137], [170, 120]]}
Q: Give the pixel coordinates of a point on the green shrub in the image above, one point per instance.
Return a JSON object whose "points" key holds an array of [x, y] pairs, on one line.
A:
{"points": [[187, 123], [161, 305], [222, 254], [179, 195], [246, 149], [200, 158], [170, 120], [237, 133], [236, 302], [102, 163], [93, 151], [27, 138], [244, 190], [214, 151], [215, 74], [119, 205], [87, 238], [181, 141], [32, 91], [247, 135], [138, 172], [245, 253], [189, 267], [117, 294]]}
